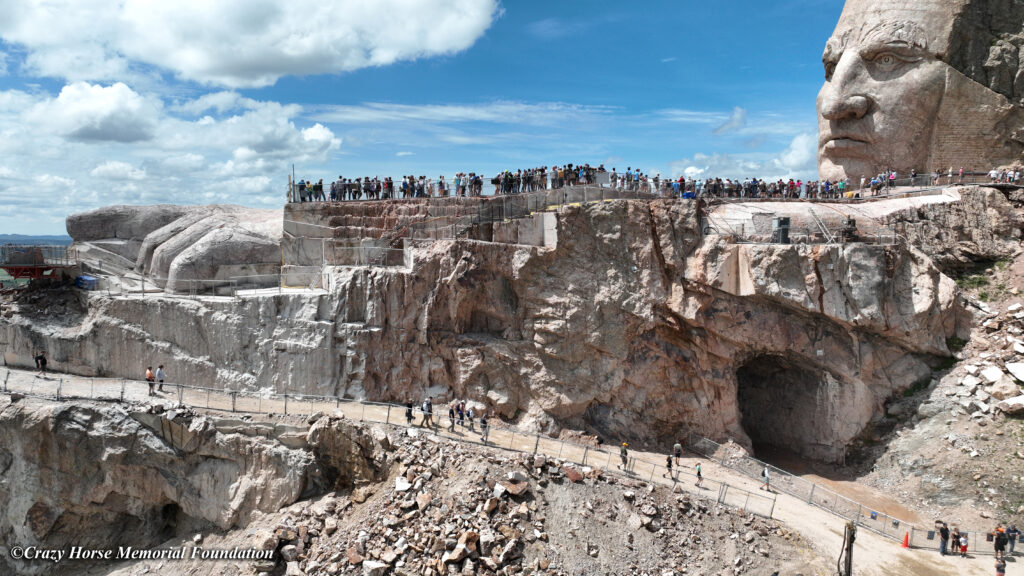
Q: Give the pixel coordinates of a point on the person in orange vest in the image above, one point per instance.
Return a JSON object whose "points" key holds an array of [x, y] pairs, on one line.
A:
{"points": [[150, 378]]}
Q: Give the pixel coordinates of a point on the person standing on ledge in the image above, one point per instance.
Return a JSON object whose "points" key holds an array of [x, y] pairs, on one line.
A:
{"points": [[150, 379], [700, 477], [624, 455], [40, 362], [677, 449], [160, 375]]}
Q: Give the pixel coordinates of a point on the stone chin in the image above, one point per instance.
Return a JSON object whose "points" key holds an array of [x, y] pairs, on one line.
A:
{"points": [[829, 169]]}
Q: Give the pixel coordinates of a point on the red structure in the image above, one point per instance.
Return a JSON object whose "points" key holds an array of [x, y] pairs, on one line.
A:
{"points": [[34, 262]]}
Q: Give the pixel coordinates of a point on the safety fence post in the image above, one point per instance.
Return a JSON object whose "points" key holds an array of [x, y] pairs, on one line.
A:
{"points": [[122, 390], [209, 391], [8, 375], [585, 450], [560, 446], [810, 497], [286, 404], [60, 383], [387, 417], [92, 387], [234, 394], [536, 442], [181, 394], [362, 414]]}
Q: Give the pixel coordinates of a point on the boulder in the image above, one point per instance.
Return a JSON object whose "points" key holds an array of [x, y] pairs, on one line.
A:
{"points": [[1012, 406]]}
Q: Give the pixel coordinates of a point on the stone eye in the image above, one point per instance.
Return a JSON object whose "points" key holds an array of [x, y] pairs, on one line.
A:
{"points": [[886, 61]]}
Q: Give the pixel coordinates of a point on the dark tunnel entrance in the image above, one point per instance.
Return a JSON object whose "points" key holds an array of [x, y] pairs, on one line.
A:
{"points": [[790, 408]]}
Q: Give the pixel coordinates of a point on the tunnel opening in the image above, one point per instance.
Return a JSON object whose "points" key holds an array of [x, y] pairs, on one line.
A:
{"points": [[791, 410]]}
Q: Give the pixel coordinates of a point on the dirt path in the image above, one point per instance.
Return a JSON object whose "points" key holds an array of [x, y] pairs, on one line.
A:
{"points": [[822, 532]]}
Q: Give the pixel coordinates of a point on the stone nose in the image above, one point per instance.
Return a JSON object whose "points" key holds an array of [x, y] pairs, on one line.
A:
{"points": [[843, 106]]}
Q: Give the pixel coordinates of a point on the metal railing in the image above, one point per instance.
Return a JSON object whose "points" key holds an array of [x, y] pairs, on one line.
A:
{"points": [[65, 387], [825, 498]]}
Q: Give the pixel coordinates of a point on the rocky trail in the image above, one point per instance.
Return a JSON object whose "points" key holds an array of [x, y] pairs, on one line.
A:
{"points": [[811, 535]]}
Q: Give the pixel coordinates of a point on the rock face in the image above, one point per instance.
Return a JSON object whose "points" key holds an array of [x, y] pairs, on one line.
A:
{"points": [[631, 325], [104, 477], [177, 246], [951, 97]]}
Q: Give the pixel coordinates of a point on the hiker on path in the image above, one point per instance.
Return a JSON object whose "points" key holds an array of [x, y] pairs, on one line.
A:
{"points": [[943, 539], [461, 409], [160, 375], [700, 477], [408, 414], [1012, 535], [963, 545], [623, 455], [668, 465], [469, 416], [428, 414], [483, 428], [766, 475], [40, 362], [678, 451], [451, 418], [1000, 567], [150, 378]]}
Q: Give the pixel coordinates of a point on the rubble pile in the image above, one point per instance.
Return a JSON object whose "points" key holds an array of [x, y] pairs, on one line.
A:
{"points": [[449, 508], [992, 366]]}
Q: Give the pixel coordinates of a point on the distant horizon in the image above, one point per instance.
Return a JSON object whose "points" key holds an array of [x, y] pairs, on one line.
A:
{"points": [[110, 113]]}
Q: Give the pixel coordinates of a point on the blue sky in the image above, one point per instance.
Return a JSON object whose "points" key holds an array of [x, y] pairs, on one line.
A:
{"points": [[212, 102]]}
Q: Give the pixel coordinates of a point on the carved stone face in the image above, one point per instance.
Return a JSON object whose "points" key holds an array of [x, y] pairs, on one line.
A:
{"points": [[884, 85]]}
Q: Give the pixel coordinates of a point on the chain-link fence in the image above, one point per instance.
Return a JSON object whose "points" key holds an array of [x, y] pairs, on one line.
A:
{"points": [[67, 387], [821, 497]]}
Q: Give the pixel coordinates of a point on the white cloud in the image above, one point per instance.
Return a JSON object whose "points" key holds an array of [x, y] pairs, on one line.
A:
{"points": [[236, 43], [689, 116], [798, 160], [64, 147], [115, 170], [736, 121], [403, 153], [89, 112], [188, 161], [533, 114]]}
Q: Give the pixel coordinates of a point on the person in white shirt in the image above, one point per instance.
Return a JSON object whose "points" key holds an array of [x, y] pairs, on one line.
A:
{"points": [[160, 375]]}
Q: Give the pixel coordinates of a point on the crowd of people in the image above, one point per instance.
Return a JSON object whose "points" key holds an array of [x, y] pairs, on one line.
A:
{"points": [[524, 181]]}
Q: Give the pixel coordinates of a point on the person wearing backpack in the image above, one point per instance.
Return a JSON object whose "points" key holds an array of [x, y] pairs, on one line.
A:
{"points": [[766, 476], [408, 414]]}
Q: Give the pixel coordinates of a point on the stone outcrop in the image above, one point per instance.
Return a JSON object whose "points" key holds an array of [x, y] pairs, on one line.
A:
{"points": [[178, 247], [632, 324], [101, 477]]}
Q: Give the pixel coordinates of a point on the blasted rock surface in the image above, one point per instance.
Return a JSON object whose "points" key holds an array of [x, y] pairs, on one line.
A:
{"points": [[178, 245], [100, 477], [633, 326]]}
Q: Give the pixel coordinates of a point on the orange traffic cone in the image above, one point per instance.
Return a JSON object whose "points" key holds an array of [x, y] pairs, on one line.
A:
{"points": [[906, 540]]}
